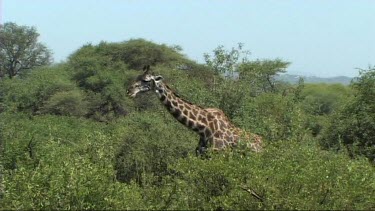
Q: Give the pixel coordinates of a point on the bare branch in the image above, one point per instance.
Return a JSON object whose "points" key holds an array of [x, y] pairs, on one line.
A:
{"points": [[253, 193]]}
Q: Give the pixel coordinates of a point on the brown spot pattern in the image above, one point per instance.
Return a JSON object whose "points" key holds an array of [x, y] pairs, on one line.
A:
{"points": [[212, 124]]}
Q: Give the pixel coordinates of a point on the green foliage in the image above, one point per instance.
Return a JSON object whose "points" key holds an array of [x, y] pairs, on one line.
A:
{"points": [[138, 52], [104, 72], [226, 62], [61, 163], [24, 137], [56, 152], [254, 77], [20, 50], [74, 167], [287, 175], [227, 91], [29, 93], [135, 53], [354, 125], [103, 82], [189, 86], [150, 146], [324, 99], [69, 103], [93, 84], [260, 74], [231, 95], [274, 116], [320, 102]]}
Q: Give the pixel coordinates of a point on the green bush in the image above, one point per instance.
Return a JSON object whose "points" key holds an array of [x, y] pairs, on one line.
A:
{"points": [[190, 87], [324, 99], [320, 101], [353, 127], [138, 52], [70, 103], [103, 82], [230, 96], [135, 53], [103, 71], [28, 94], [24, 136], [287, 175], [274, 116], [142, 158], [75, 167], [150, 146], [61, 163], [67, 179]]}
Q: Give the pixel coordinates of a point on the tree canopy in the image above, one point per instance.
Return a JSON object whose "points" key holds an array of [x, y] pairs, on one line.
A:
{"points": [[70, 137], [20, 50]]}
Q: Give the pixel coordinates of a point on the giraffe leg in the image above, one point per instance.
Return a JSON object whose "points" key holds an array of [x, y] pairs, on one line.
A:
{"points": [[202, 147]]}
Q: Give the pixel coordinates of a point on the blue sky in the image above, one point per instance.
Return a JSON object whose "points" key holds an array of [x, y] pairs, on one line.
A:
{"points": [[319, 37]]}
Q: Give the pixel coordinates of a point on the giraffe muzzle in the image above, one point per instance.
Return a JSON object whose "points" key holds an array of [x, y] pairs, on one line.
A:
{"points": [[130, 93]]}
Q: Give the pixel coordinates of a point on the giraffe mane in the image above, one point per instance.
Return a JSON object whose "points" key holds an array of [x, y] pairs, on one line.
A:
{"points": [[183, 98]]}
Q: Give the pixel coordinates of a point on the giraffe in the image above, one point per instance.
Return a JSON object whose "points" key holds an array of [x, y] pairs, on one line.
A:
{"points": [[214, 128]]}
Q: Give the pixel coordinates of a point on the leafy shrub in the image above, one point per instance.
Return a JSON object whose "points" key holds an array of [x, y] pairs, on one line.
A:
{"points": [[103, 82], [260, 75], [353, 127], [274, 116], [320, 101], [29, 93], [138, 52], [135, 53], [324, 99], [150, 146], [103, 72], [75, 167], [288, 175], [190, 87], [24, 136], [144, 159], [65, 179], [61, 163], [70, 103]]}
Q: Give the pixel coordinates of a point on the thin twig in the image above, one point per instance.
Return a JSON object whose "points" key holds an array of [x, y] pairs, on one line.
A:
{"points": [[253, 193]]}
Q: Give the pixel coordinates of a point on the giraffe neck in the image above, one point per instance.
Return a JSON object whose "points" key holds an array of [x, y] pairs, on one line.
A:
{"points": [[182, 110]]}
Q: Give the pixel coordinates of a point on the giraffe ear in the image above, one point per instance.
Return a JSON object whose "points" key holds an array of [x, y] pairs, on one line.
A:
{"points": [[158, 78], [146, 69]]}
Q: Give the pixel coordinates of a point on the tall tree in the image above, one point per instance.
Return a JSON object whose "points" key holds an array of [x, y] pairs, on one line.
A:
{"points": [[20, 50], [261, 73], [226, 62]]}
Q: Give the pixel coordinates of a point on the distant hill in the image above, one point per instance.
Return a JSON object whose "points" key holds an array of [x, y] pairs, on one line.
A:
{"points": [[293, 79]]}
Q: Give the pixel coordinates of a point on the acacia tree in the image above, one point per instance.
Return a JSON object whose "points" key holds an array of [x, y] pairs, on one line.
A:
{"points": [[223, 62], [243, 77], [261, 73], [226, 62], [258, 73], [20, 49]]}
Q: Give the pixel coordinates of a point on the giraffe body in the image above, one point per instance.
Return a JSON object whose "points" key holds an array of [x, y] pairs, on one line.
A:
{"points": [[213, 126]]}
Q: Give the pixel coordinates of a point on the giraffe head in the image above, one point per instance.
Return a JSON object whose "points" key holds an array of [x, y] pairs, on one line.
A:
{"points": [[145, 82]]}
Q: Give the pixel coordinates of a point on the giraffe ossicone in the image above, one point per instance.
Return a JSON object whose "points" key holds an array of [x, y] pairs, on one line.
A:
{"points": [[214, 128]]}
